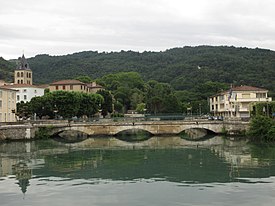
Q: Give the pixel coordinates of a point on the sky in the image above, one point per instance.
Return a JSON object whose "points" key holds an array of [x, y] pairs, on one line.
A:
{"points": [[60, 27]]}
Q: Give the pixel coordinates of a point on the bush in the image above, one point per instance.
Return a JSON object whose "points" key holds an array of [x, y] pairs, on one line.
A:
{"points": [[261, 128]]}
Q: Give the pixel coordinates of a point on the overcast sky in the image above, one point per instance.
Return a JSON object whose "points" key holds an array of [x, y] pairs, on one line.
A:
{"points": [[58, 27]]}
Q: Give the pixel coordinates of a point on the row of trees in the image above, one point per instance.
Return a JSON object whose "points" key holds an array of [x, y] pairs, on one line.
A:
{"points": [[130, 92], [123, 91], [61, 103]]}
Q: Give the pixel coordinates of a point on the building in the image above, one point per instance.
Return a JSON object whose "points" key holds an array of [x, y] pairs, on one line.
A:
{"points": [[94, 87], [237, 101], [74, 85], [26, 92], [23, 82], [23, 73], [7, 104]]}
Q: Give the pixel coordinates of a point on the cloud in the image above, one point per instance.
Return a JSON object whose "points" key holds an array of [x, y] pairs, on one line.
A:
{"points": [[66, 26]]}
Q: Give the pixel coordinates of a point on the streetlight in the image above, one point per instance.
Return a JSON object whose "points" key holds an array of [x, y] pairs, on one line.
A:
{"points": [[267, 110], [55, 110], [200, 108]]}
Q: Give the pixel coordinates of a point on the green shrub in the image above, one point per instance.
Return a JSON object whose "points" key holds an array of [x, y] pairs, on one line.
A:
{"points": [[261, 129]]}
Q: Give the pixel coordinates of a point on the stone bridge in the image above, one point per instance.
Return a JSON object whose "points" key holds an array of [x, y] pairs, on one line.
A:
{"points": [[28, 131], [154, 127]]}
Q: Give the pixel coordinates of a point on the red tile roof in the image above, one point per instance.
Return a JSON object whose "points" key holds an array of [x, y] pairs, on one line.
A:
{"points": [[68, 81], [247, 88], [24, 85], [241, 88], [6, 88]]}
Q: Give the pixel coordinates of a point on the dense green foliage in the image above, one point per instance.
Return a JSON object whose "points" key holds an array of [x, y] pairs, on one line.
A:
{"points": [[107, 105], [187, 76], [6, 70], [186, 68], [61, 103], [130, 92], [262, 128]]}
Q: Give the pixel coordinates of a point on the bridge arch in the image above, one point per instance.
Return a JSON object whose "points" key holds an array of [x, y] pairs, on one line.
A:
{"points": [[133, 135]]}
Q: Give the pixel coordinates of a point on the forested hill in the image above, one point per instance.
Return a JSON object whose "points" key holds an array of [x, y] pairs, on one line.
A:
{"points": [[183, 68], [6, 70]]}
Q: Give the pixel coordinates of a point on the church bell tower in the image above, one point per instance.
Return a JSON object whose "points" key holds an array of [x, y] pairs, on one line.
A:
{"points": [[23, 73]]}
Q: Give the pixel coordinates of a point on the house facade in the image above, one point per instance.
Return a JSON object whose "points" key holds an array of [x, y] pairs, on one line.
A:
{"points": [[26, 92], [74, 85], [237, 101], [7, 104]]}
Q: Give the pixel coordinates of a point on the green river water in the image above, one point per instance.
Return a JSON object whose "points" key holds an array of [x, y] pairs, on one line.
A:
{"points": [[159, 171]]}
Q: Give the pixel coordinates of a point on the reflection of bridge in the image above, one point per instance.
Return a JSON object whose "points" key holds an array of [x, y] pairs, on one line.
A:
{"points": [[27, 131]]}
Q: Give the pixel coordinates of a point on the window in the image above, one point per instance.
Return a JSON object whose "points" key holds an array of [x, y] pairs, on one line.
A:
{"points": [[13, 95], [0, 103], [24, 90], [64, 87], [18, 81], [71, 87], [30, 75], [260, 95], [81, 87], [18, 74], [56, 87], [18, 98], [25, 97], [22, 74], [21, 81], [1, 93]]}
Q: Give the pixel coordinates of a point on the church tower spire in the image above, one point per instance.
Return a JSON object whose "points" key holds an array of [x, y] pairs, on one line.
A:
{"points": [[23, 72]]}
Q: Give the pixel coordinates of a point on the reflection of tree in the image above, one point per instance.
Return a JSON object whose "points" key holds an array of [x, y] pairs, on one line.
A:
{"points": [[23, 174]]}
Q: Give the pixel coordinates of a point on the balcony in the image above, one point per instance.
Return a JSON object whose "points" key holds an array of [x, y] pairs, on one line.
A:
{"points": [[269, 99]]}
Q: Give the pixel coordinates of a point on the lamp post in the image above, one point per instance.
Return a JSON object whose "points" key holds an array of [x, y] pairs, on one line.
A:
{"points": [[267, 109], [55, 110], [200, 108]]}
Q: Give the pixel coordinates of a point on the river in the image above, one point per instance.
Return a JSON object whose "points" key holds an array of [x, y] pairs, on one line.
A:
{"points": [[159, 171]]}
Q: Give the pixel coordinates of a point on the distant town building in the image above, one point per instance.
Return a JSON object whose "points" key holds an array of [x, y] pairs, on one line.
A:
{"points": [[7, 104], [23, 82], [74, 85], [237, 101], [23, 73], [26, 92]]}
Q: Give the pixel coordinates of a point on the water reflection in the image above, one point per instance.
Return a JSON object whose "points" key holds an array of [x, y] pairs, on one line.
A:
{"points": [[97, 161]]}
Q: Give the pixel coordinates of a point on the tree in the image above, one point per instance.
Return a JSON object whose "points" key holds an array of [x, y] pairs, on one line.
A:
{"points": [[107, 105], [84, 79], [261, 128], [65, 104]]}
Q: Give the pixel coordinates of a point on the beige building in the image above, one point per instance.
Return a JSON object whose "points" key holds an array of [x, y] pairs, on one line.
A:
{"points": [[237, 101], [7, 104], [74, 85]]}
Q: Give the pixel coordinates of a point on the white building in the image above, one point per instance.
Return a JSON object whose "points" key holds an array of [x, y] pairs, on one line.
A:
{"points": [[26, 92], [237, 101]]}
